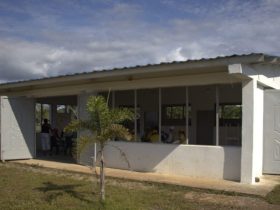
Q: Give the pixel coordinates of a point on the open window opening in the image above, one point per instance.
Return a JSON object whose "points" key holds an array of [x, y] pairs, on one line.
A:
{"points": [[175, 115], [199, 115], [203, 99], [230, 115], [58, 112]]}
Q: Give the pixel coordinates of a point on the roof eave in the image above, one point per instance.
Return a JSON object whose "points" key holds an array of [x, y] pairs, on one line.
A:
{"points": [[219, 61]]}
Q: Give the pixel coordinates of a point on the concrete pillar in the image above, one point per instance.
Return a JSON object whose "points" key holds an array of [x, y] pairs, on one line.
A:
{"points": [[87, 155], [82, 103], [252, 134]]}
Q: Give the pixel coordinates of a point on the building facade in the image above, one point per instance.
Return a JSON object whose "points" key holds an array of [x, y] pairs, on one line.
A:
{"points": [[212, 118]]}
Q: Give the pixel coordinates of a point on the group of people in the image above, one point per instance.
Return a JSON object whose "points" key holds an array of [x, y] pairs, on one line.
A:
{"points": [[166, 137], [52, 140]]}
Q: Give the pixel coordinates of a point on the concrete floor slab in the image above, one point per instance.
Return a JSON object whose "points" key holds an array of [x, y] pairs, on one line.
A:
{"points": [[266, 184]]}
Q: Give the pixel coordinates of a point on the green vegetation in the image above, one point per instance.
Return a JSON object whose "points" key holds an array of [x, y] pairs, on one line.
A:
{"points": [[231, 111], [105, 124], [274, 196], [33, 187], [27, 187]]}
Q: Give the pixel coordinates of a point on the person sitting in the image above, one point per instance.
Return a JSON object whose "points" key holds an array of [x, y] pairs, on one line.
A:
{"points": [[146, 136], [154, 137], [182, 137], [170, 138], [164, 136]]}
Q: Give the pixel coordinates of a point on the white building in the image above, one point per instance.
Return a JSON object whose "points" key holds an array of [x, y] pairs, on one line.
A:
{"points": [[228, 109]]}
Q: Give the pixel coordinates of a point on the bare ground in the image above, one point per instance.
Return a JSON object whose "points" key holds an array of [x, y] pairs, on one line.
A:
{"points": [[238, 202]]}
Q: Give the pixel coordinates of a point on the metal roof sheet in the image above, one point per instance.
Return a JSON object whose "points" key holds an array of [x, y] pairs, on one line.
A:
{"points": [[141, 66]]}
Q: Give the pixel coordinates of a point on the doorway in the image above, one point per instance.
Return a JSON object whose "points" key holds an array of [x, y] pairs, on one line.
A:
{"points": [[205, 127], [59, 111]]}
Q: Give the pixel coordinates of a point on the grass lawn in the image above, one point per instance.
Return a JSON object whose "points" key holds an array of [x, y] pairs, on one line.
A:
{"points": [[26, 187], [274, 196]]}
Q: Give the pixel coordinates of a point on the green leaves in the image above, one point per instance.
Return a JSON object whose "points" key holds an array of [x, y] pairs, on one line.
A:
{"points": [[77, 125], [120, 115], [117, 131], [83, 142], [103, 123]]}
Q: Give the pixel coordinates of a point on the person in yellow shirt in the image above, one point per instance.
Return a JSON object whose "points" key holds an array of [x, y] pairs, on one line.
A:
{"points": [[182, 137], [153, 136]]}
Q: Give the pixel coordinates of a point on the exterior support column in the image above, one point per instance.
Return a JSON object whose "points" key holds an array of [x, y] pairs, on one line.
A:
{"points": [[159, 114], [187, 115], [82, 103], [252, 131], [217, 116], [88, 156], [41, 114]]}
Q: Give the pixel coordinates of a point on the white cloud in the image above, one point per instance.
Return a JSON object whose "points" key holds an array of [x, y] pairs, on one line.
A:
{"points": [[119, 36], [174, 55]]}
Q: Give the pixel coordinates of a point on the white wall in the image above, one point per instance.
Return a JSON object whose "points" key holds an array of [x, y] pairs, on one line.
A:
{"points": [[265, 74], [258, 132], [186, 160], [17, 128], [252, 131]]}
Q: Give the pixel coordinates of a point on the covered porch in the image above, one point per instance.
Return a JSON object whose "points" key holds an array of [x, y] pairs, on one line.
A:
{"points": [[174, 131], [200, 118]]}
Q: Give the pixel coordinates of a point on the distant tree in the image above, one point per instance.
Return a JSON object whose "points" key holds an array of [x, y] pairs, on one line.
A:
{"points": [[232, 112], [42, 111], [104, 124]]}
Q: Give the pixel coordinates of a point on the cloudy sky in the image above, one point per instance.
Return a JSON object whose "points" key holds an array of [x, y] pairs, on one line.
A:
{"points": [[54, 37]]}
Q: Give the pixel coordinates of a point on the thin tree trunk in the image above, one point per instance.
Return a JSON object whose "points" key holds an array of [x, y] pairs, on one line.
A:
{"points": [[102, 175]]}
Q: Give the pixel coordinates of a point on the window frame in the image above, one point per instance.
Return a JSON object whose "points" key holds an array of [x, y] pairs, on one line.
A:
{"points": [[175, 121], [233, 122]]}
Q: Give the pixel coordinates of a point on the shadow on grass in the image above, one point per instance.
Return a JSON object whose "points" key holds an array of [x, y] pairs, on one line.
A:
{"points": [[54, 191]]}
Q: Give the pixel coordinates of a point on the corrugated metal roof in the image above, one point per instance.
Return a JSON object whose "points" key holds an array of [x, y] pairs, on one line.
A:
{"points": [[142, 66]]}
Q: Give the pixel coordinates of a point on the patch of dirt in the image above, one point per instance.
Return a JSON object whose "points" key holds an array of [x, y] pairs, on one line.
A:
{"points": [[241, 202], [129, 184], [37, 168]]}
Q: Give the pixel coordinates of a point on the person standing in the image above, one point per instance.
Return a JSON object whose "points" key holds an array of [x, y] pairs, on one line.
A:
{"points": [[45, 137], [55, 139], [68, 143]]}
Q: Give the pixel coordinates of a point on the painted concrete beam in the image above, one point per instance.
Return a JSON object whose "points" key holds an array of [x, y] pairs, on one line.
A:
{"points": [[187, 80], [266, 75]]}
